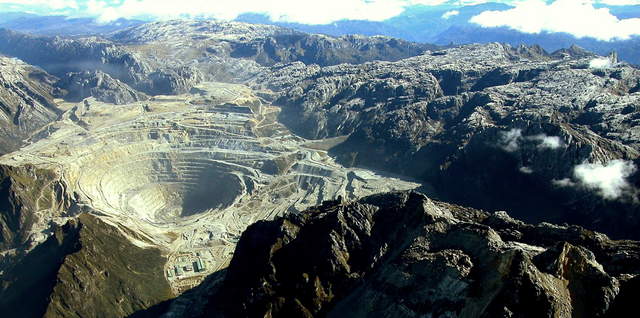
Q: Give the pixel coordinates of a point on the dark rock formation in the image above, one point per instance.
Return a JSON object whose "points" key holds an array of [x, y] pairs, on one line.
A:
{"points": [[100, 85], [172, 82], [86, 269], [402, 254], [26, 102]]}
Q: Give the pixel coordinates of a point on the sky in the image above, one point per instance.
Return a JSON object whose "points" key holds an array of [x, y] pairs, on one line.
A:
{"points": [[578, 17]]}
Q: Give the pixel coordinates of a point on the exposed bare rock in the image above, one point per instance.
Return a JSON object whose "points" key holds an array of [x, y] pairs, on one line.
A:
{"points": [[401, 254], [265, 44], [173, 82], [26, 103], [99, 85]]}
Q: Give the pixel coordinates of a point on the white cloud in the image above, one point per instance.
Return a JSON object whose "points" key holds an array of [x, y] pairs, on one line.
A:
{"points": [[576, 17], [509, 139], [450, 14], [427, 2], [547, 142], [564, 183], [621, 2], [600, 63], [526, 170], [609, 179], [310, 12], [52, 4]]}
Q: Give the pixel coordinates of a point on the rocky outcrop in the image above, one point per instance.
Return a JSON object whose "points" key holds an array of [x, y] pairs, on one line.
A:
{"points": [[26, 102], [490, 126], [100, 85], [61, 56], [172, 82], [404, 254], [30, 198], [86, 269]]}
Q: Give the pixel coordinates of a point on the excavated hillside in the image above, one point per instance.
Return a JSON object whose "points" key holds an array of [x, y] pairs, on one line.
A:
{"points": [[185, 174], [402, 254]]}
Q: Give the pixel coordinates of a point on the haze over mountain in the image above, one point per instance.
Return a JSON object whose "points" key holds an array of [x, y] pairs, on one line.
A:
{"points": [[598, 26], [201, 168]]}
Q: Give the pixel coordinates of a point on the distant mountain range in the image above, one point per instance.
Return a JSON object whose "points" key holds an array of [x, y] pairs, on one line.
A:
{"points": [[442, 25]]}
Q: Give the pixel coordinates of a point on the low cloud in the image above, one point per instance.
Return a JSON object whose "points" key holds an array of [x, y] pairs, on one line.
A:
{"points": [[547, 142], [526, 170], [600, 63], [564, 183], [509, 139], [51, 4], [610, 179], [308, 12], [576, 17], [621, 2], [450, 14]]}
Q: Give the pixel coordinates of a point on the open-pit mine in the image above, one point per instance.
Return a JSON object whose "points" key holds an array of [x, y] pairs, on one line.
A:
{"points": [[188, 173]]}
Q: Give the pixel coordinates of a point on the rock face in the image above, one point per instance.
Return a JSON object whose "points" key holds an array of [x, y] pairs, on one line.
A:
{"points": [[26, 102], [99, 85], [28, 197], [86, 269], [401, 254], [490, 126]]}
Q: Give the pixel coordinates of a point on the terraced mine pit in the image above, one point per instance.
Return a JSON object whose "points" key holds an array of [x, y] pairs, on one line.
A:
{"points": [[189, 173]]}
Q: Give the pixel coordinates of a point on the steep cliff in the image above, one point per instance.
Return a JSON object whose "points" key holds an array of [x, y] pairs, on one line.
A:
{"points": [[402, 254]]}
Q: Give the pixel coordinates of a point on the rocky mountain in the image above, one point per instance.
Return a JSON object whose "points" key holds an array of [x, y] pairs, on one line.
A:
{"points": [[402, 254], [26, 102], [491, 126], [170, 57]]}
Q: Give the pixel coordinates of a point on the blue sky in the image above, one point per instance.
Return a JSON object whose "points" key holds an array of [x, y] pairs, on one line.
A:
{"points": [[577, 17]]}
